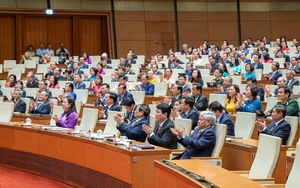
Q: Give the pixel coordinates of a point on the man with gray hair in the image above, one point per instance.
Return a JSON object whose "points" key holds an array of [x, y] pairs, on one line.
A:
{"points": [[202, 142], [281, 82], [291, 81], [20, 106]]}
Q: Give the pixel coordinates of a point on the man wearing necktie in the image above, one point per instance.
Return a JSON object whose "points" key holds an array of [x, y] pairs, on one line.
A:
{"points": [[161, 135], [202, 142], [110, 101], [133, 130], [275, 74], [279, 127]]}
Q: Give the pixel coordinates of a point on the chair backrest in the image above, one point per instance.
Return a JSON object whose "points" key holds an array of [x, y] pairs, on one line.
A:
{"points": [[110, 127], [296, 89], [293, 179], [82, 95], [7, 92], [293, 121], [89, 119], [57, 110], [220, 131], [106, 78], [267, 68], [78, 105], [62, 84], [27, 101], [160, 89], [9, 64], [152, 108], [132, 78], [20, 66], [30, 64], [205, 72], [236, 79], [152, 120], [206, 78], [258, 74], [17, 72], [271, 102], [281, 62], [31, 92], [56, 92], [42, 68], [186, 124], [266, 156], [138, 96], [244, 124], [221, 98], [6, 111]]}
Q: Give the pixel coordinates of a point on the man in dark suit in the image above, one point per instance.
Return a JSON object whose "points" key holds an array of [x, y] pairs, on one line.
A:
{"points": [[111, 105], [133, 130], [31, 83], [123, 93], [224, 89], [129, 59], [294, 64], [177, 95], [243, 59], [130, 106], [161, 135], [182, 82], [145, 86], [41, 107], [188, 111], [76, 69], [279, 127], [43, 87], [155, 70], [20, 106], [257, 64], [202, 142], [104, 64], [275, 74], [291, 81], [222, 118], [200, 100], [78, 84], [82, 64], [128, 70], [100, 101]]}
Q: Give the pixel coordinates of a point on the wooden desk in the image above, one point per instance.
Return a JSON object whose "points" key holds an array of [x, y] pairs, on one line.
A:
{"points": [[261, 83], [168, 177], [239, 155], [44, 120], [77, 161]]}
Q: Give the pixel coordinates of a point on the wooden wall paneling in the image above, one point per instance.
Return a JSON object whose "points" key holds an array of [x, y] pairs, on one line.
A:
{"points": [[7, 37], [19, 50], [59, 29], [90, 35], [139, 47], [76, 36], [105, 35], [35, 31]]}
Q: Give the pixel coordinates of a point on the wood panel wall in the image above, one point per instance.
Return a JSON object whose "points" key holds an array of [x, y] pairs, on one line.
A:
{"points": [[79, 33]]}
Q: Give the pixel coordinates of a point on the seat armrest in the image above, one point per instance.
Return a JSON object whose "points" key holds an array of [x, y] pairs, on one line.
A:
{"points": [[244, 173], [213, 160], [264, 180]]}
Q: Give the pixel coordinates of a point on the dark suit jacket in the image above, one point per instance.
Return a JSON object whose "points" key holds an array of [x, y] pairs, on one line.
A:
{"points": [[107, 67], [43, 108], [113, 107], [131, 62], [79, 85], [20, 106], [293, 82], [78, 72], [126, 95], [202, 103], [225, 119], [292, 107], [34, 84], [193, 115], [164, 136], [199, 145], [130, 115], [258, 66], [275, 77], [174, 99], [149, 88], [129, 73], [261, 93], [282, 130], [84, 66], [134, 129], [158, 73]]}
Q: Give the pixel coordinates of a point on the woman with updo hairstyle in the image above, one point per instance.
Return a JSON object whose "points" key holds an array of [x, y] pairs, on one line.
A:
{"points": [[12, 80], [252, 103], [232, 101]]}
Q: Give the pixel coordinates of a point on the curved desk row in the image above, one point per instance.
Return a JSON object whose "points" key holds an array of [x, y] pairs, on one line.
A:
{"points": [[187, 173], [77, 161]]}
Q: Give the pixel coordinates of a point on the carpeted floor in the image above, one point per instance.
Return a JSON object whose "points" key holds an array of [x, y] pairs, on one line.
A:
{"points": [[14, 179]]}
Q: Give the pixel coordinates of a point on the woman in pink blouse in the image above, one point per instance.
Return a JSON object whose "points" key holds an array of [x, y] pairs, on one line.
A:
{"points": [[53, 82], [100, 69], [96, 84]]}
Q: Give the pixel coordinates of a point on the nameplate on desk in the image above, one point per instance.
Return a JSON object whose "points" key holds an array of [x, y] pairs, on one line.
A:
{"points": [[142, 147]]}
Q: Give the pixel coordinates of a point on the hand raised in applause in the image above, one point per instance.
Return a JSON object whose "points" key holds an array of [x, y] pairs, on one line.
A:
{"points": [[147, 129]]}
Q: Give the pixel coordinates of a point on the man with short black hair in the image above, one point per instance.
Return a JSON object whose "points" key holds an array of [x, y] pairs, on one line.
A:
{"points": [[122, 93], [161, 134], [110, 101], [222, 118], [78, 84], [100, 101], [275, 74], [41, 107], [188, 111], [200, 99], [279, 127], [145, 86], [31, 83], [130, 106]]}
